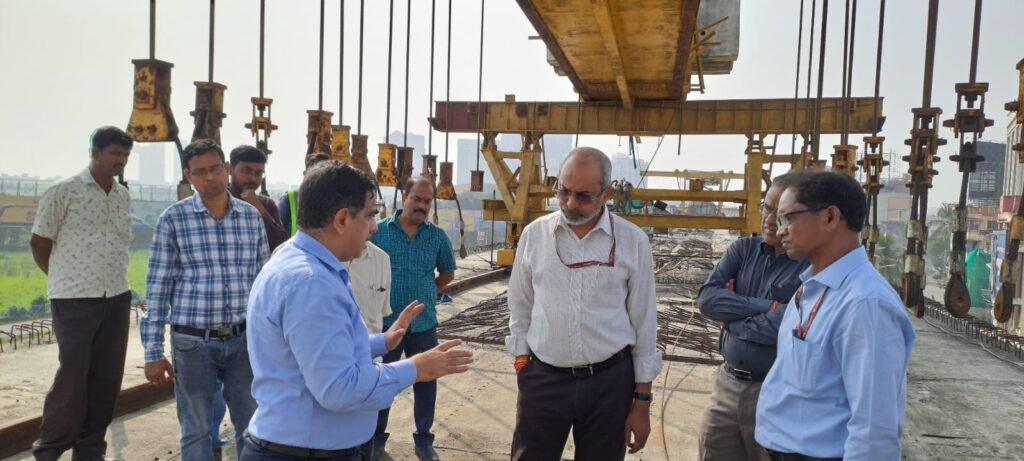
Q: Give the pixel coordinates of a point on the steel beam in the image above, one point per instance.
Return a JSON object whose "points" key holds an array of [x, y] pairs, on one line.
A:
{"points": [[646, 118], [693, 174]]}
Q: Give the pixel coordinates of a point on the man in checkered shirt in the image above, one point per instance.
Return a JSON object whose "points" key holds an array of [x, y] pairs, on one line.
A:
{"points": [[207, 250]]}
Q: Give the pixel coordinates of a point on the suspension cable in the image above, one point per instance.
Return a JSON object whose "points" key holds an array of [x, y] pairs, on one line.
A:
{"points": [[359, 105], [849, 75], [408, 35], [448, 87], [480, 88], [391, 36], [341, 65], [821, 79], [809, 124], [320, 86], [263, 22], [430, 102], [152, 29], [211, 41], [846, 62], [796, 85], [878, 61]]}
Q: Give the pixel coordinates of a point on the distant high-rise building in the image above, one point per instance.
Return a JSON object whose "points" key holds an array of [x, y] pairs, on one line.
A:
{"points": [[623, 168], [466, 161], [417, 142], [152, 158], [986, 183]]}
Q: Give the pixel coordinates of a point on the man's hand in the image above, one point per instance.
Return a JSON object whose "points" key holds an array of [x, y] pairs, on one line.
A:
{"points": [[441, 361], [159, 372], [638, 425], [783, 292], [393, 337], [249, 195], [731, 285]]}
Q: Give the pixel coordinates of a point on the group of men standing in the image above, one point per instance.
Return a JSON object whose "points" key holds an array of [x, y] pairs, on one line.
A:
{"points": [[287, 343]]}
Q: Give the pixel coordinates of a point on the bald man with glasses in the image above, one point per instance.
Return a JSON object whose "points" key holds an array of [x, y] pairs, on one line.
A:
{"points": [[583, 323]]}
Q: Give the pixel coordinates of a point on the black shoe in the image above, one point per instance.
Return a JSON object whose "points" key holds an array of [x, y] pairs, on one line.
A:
{"points": [[426, 453]]}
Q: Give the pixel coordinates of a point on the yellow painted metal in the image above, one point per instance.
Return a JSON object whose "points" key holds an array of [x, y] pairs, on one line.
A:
{"points": [[340, 147], [505, 257], [359, 151], [386, 173], [651, 118], [844, 159], [445, 186], [752, 185], [209, 113], [650, 195], [318, 131], [403, 165], [261, 125], [693, 174], [152, 119]]}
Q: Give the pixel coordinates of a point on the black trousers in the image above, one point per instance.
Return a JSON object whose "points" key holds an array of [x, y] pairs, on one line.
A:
{"points": [[552, 402], [92, 337]]}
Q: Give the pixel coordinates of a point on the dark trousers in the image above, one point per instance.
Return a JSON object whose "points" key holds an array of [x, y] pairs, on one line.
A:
{"points": [[424, 394], [252, 452], [551, 402], [92, 337]]}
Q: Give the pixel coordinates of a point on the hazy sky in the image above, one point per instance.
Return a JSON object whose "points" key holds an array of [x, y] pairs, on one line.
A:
{"points": [[67, 69]]}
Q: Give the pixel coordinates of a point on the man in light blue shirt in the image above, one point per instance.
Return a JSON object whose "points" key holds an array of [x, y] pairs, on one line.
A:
{"points": [[314, 379], [839, 384]]}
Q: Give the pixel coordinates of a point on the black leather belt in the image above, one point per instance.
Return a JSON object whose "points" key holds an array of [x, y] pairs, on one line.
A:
{"points": [[744, 375], [222, 332], [777, 456], [299, 452], [587, 371]]}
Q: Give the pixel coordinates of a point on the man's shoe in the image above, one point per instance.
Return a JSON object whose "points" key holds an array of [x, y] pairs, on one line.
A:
{"points": [[426, 453]]}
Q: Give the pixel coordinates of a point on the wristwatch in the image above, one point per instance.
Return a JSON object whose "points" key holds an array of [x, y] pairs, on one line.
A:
{"points": [[643, 396]]}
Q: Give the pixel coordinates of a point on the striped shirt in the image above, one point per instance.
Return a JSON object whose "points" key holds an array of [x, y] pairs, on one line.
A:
{"points": [[201, 269], [413, 262]]}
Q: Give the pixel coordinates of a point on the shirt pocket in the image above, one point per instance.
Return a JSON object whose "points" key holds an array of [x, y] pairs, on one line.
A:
{"points": [[805, 365]]}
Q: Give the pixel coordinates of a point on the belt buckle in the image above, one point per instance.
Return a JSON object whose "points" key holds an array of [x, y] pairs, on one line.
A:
{"points": [[744, 375], [223, 331], [583, 372]]}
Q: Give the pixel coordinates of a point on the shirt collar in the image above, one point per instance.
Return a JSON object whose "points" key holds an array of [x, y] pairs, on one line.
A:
{"points": [[310, 245], [85, 176], [199, 207], [834, 275], [603, 223]]}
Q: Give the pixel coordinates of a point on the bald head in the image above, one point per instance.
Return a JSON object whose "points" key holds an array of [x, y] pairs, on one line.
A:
{"points": [[588, 161]]}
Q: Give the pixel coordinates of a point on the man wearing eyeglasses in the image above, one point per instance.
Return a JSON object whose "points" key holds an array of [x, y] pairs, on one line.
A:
{"points": [[207, 250], [839, 385], [583, 323], [747, 292]]}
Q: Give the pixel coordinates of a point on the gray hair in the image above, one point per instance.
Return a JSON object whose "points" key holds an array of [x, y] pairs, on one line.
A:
{"points": [[591, 154]]}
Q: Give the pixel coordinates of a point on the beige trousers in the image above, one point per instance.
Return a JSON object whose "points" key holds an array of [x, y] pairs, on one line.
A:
{"points": [[727, 429]]}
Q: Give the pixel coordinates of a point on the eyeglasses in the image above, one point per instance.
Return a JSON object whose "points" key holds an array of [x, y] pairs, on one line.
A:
{"points": [[212, 172], [583, 198], [611, 253], [766, 210], [785, 219]]}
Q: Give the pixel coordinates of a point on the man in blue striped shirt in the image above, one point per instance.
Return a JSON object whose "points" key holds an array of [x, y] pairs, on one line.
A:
{"points": [[417, 248], [207, 250]]}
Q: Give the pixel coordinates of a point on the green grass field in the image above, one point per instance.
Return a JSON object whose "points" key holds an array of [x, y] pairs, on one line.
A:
{"points": [[21, 281]]}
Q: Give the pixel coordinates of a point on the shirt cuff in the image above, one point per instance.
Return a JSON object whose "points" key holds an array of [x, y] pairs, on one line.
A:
{"points": [[377, 345], [406, 371], [154, 354], [647, 367], [516, 345]]}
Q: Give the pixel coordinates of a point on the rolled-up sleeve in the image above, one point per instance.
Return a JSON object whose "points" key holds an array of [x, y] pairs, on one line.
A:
{"points": [[50, 213], [642, 308], [520, 300]]}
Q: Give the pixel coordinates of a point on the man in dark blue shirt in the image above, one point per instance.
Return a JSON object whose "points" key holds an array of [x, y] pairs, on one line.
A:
{"points": [[747, 292]]}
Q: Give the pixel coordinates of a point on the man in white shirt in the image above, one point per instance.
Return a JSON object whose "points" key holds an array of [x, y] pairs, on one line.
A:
{"points": [[370, 276], [80, 240], [583, 323]]}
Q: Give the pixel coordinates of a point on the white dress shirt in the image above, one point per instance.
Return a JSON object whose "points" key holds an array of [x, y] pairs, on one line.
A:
{"points": [[91, 230], [575, 317], [370, 275]]}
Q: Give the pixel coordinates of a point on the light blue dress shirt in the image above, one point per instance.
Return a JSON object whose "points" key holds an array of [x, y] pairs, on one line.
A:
{"points": [[312, 358], [841, 391]]}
